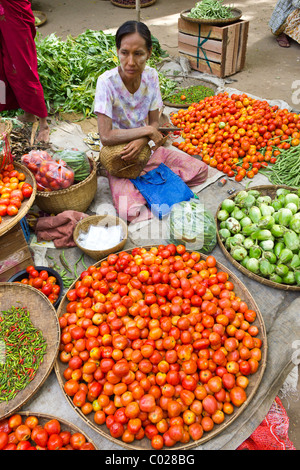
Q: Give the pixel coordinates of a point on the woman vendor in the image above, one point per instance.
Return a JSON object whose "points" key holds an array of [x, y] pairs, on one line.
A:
{"points": [[285, 22], [127, 103], [18, 65]]}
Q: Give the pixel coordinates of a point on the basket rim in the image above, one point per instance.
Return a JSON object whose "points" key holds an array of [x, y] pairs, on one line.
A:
{"points": [[115, 2], [213, 21], [100, 217], [204, 82], [236, 264], [8, 128], [229, 418], [66, 424], [9, 223]]}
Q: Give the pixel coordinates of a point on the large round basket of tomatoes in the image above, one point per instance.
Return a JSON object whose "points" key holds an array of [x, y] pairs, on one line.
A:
{"points": [[160, 347], [17, 194], [25, 430]]}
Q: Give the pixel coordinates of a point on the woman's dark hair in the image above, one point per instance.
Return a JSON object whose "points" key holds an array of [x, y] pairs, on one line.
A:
{"points": [[130, 27]]}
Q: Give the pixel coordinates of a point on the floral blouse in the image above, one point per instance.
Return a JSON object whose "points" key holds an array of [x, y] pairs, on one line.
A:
{"points": [[127, 110]]}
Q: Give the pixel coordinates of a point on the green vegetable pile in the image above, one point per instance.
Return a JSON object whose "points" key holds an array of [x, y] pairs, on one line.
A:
{"points": [[286, 169], [69, 70], [211, 9], [193, 94], [192, 225], [263, 234]]}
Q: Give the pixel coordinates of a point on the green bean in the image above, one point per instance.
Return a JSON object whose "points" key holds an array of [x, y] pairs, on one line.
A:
{"points": [[64, 261]]}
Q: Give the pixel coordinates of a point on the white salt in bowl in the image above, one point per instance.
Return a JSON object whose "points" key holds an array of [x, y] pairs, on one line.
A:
{"points": [[89, 235]]}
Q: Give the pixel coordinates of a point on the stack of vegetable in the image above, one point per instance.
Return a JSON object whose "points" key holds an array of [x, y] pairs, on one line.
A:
{"points": [[211, 9], [286, 169], [23, 351], [236, 134], [190, 95], [263, 234]]}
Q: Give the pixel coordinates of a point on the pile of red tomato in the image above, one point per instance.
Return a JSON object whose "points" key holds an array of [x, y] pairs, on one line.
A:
{"points": [[13, 190], [20, 432], [237, 134], [157, 344], [42, 281]]}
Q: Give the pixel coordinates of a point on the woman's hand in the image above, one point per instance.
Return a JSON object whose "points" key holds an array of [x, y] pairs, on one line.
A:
{"points": [[156, 136], [133, 148]]}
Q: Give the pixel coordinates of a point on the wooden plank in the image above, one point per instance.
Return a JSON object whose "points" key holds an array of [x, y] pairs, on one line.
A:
{"points": [[209, 45], [231, 49], [188, 27], [201, 65], [198, 52], [243, 44]]}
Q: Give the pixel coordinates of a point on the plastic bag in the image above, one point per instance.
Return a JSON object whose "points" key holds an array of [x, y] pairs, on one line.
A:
{"points": [[34, 158], [191, 224], [50, 175], [54, 175], [77, 160]]}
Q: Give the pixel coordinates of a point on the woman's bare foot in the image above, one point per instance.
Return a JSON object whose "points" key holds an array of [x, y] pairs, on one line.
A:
{"points": [[44, 132]]}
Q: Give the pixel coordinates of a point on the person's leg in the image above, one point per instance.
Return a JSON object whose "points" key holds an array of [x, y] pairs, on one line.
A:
{"points": [[192, 171], [20, 70]]}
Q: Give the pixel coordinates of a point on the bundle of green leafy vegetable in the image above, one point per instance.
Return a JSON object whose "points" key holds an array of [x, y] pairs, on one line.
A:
{"points": [[69, 69]]}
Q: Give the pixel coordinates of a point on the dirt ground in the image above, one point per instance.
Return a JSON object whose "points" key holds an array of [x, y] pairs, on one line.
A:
{"points": [[270, 71]]}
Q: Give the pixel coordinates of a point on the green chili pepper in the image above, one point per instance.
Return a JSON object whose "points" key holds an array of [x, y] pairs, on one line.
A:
{"points": [[25, 348]]}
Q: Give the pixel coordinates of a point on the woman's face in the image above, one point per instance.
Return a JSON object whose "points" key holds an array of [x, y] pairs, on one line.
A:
{"points": [[133, 55]]}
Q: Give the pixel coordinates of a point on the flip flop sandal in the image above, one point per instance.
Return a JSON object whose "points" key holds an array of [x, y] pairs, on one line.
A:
{"points": [[283, 42]]}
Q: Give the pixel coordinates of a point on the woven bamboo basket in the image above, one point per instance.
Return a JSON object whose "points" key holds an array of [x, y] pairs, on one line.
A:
{"points": [[43, 418], [266, 190], [44, 318], [8, 222], [186, 104], [102, 220], [77, 197], [111, 161], [254, 379], [132, 3], [237, 14], [5, 131]]}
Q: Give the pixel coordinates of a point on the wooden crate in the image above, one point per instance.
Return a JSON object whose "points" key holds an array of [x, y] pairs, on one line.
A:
{"points": [[216, 50], [15, 254]]}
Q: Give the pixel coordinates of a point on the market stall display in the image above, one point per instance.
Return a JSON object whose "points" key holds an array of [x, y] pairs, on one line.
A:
{"points": [[99, 235], [137, 379], [45, 279], [236, 134], [258, 231], [43, 317], [16, 202], [27, 430]]}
